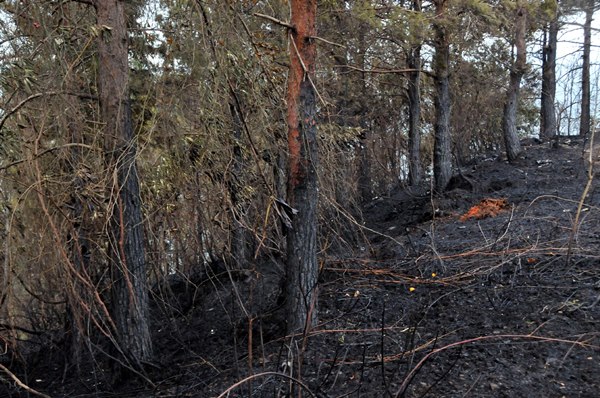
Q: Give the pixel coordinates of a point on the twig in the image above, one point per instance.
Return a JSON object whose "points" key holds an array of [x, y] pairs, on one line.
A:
{"points": [[256, 376], [292, 27], [306, 72], [37, 95], [274, 20], [584, 194], [413, 372], [350, 218], [327, 41], [377, 70], [21, 384], [558, 198], [45, 151], [382, 348]]}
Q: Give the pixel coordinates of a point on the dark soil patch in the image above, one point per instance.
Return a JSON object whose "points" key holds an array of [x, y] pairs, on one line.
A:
{"points": [[505, 306]]}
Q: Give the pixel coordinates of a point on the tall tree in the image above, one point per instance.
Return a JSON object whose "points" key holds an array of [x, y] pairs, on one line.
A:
{"points": [[365, 183], [414, 105], [442, 161], [126, 245], [585, 120], [509, 119], [548, 128], [302, 267]]}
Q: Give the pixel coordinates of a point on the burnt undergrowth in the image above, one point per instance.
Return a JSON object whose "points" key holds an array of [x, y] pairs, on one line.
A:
{"points": [[434, 304]]}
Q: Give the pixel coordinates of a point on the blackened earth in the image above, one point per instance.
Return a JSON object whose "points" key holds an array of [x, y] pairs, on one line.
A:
{"points": [[506, 306]]}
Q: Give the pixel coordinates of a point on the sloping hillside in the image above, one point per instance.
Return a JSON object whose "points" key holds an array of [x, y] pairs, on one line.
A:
{"points": [[448, 300]]}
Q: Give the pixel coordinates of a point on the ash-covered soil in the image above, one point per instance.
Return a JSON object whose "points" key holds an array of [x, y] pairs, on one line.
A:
{"points": [[435, 305]]}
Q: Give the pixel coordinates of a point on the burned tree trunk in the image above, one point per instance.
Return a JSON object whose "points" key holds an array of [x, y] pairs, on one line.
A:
{"points": [[548, 128], [585, 119], [126, 245], [509, 120], [301, 267], [442, 161], [414, 109]]}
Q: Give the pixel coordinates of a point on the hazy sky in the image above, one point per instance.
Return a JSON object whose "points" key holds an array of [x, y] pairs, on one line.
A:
{"points": [[568, 73]]}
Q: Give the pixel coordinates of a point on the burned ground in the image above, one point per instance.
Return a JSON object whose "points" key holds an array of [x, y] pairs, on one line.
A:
{"points": [[434, 305]]}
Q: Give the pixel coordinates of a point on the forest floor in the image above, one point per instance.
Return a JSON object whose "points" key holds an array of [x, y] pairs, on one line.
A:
{"points": [[439, 304]]}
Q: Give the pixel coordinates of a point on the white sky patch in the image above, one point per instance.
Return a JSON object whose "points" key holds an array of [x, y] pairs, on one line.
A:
{"points": [[152, 12], [569, 55]]}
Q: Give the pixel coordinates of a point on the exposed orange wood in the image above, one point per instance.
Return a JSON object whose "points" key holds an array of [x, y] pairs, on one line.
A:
{"points": [[302, 55], [302, 266]]}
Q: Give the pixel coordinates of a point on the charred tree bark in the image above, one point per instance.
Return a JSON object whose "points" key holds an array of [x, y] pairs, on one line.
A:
{"points": [[302, 267], [585, 119], [442, 161], [548, 128], [414, 110], [509, 120], [126, 245]]}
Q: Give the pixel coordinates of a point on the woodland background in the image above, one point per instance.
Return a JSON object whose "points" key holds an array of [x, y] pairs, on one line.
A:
{"points": [[406, 93]]}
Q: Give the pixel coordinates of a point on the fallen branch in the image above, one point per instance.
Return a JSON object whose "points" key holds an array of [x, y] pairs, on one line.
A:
{"points": [[19, 383], [413, 372], [256, 376]]}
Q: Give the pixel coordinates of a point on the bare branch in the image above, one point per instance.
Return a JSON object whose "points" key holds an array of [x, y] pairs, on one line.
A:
{"points": [[289, 26], [327, 41], [42, 153], [399, 71], [580, 25], [38, 95], [87, 2], [274, 20], [21, 384], [272, 374]]}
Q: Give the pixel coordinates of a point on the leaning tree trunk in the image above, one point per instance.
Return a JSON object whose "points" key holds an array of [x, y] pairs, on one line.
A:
{"points": [[442, 161], [414, 109], [302, 268], [585, 120], [126, 246], [509, 120], [548, 128]]}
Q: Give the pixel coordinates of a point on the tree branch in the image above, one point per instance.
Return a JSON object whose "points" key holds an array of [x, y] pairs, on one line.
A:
{"points": [[399, 71], [327, 41], [21, 384], [87, 2], [274, 20], [37, 95], [45, 151], [580, 25]]}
